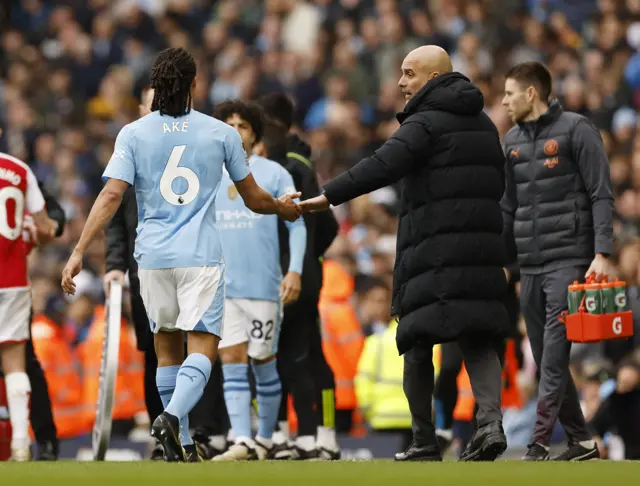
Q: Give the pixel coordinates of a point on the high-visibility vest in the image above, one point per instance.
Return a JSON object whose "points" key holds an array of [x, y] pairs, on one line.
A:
{"points": [[129, 393], [342, 343], [379, 382], [62, 371]]}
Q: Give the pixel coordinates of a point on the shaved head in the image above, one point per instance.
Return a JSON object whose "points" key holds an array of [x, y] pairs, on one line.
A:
{"points": [[420, 66]]}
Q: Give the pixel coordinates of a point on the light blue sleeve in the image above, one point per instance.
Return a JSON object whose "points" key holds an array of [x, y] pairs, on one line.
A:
{"points": [[121, 165], [297, 229], [235, 158]]}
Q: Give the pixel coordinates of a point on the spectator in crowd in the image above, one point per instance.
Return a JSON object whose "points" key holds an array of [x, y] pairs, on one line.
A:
{"points": [[620, 411]]}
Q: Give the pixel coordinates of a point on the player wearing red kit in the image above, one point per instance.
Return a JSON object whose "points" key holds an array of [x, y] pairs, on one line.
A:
{"points": [[19, 193]]}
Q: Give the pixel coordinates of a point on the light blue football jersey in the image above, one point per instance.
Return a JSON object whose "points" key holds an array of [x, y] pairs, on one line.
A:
{"points": [[175, 165], [250, 241]]}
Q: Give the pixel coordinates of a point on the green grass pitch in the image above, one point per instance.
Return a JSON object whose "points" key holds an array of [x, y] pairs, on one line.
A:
{"points": [[68, 473]]}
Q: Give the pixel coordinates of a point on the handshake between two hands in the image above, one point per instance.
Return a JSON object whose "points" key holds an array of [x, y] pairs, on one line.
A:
{"points": [[289, 210]]}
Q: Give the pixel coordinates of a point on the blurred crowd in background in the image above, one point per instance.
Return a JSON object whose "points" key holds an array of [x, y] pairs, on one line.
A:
{"points": [[71, 72]]}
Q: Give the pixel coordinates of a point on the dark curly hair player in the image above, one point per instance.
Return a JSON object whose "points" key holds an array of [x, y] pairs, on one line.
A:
{"points": [[172, 78]]}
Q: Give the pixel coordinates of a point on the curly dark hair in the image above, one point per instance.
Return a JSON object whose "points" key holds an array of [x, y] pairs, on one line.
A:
{"points": [[250, 112], [172, 75]]}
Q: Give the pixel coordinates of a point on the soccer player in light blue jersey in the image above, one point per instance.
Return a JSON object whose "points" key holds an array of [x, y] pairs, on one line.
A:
{"points": [[174, 158], [255, 290]]}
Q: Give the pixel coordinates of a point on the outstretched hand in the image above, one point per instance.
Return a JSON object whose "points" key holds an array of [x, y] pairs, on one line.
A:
{"points": [[318, 203], [288, 209]]}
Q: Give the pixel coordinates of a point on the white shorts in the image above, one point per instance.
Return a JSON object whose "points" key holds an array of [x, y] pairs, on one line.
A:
{"points": [[184, 299], [254, 321], [15, 310]]}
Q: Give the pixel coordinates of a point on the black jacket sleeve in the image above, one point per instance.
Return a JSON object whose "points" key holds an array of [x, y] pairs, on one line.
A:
{"points": [[509, 204], [117, 238], [589, 153], [322, 227], [54, 210], [394, 160], [326, 227]]}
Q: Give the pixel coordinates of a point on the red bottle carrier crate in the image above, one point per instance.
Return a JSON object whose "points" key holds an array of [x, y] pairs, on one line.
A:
{"points": [[593, 327], [583, 327]]}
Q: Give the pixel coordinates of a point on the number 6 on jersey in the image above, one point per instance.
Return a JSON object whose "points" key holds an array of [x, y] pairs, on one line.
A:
{"points": [[173, 172]]}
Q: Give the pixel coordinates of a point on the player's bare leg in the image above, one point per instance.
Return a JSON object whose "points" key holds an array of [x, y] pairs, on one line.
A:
{"points": [[18, 392]]}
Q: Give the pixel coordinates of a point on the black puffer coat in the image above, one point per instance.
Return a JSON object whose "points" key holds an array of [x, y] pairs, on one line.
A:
{"points": [[448, 278]]}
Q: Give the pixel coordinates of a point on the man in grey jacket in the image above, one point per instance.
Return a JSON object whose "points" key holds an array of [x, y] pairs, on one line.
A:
{"points": [[558, 205]]}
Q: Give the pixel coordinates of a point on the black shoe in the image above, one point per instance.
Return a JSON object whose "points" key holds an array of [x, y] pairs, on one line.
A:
{"points": [[419, 452], [191, 451], [575, 453], [157, 453], [205, 449], [303, 455], [328, 454], [166, 429], [283, 452], [536, 453], [487, 444], [48, 450]]}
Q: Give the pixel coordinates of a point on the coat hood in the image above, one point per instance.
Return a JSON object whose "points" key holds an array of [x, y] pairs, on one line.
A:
{"points": [[451, 92]]}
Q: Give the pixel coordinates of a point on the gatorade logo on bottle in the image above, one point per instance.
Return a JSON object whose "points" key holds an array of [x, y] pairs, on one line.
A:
{"points": [[590, 303], [617, 325], [621, 300]]}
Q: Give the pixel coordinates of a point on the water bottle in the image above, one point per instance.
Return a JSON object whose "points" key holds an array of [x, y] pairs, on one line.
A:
{"points": [[620, 295], [575, 295], [608, 300], [593, 298]]}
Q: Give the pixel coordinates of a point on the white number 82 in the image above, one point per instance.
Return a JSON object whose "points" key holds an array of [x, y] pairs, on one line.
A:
{"points": [[173, 172]]}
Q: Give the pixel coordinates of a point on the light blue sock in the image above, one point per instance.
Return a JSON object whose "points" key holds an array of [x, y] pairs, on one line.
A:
{"points": [[269, 393], [166, 383], [190, 382], [237, 396]]}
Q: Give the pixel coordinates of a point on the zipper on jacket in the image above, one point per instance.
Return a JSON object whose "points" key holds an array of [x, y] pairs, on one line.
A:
{"points": [[534, 193]]}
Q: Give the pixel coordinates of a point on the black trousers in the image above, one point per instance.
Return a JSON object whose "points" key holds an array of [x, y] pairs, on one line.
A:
{"points": [[151, 396], [446, 388], [303, 369], [41, 415], [209, 416], [485, 373], [543, 297]]}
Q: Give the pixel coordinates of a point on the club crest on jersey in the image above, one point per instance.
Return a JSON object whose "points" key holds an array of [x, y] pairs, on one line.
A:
{"points": [[551, 150], [246, 157], [232, 192]]}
